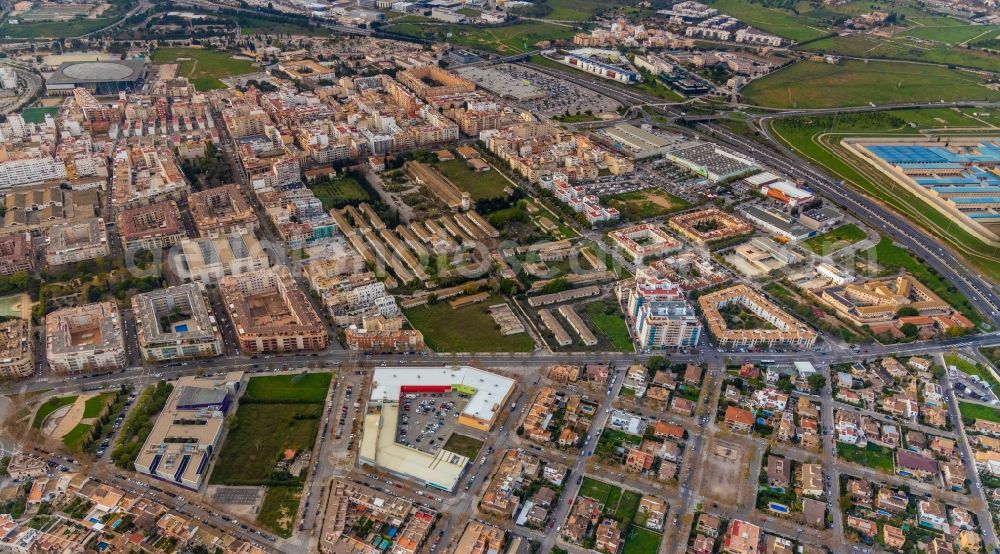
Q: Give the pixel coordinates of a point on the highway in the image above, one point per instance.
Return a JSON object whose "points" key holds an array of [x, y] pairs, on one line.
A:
{"points": [[337, 357], [975, 287], [30, 84]]}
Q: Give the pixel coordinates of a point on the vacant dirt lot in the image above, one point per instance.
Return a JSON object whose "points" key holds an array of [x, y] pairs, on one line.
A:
{"points": [[724, 470]]}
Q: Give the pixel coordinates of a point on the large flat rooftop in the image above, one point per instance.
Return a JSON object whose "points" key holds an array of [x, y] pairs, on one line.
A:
{"points": [[487, 390], [84, 328]]}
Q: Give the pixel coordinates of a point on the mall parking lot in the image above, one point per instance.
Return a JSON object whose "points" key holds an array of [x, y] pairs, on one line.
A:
{"points": [[427, 420]]}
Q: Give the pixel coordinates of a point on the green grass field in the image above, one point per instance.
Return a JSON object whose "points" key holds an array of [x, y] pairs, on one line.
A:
{"points": [[970, 368], [203, 67], [488, 184], [611, 325], [74, 439], [808, 84], [311, 387], [902, 48], [257, 437], [639, 540], [463, 444], [37, 114], [250, 25], [10, 306], [783, 23], [573, 10], [340, 191], [466, 329], [644, 204], [49, 406], [873, 456], [509, 39], [598, 490], [979, 411], [94, 405], [939, 118], [951, 34], [628, 504], [655, 87], [279, 509], [576, 118], [835, 239], [814, 138], [54, 29]]}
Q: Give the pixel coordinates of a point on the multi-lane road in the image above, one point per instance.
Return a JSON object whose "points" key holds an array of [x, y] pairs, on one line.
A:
{"points": [[338, 357], [980, 291]]}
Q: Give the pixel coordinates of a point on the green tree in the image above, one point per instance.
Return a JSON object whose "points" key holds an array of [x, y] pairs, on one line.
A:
{"points": [[816, 382]]}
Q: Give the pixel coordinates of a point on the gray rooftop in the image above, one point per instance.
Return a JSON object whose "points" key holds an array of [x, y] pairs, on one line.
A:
{"points": [[97, 72], [200, 396]]}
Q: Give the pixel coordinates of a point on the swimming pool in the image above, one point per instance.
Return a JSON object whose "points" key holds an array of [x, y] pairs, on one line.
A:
{"points": [[780, 508]]}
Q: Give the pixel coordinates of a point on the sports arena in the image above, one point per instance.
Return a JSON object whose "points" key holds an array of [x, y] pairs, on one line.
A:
{"points": [[101, 78]]}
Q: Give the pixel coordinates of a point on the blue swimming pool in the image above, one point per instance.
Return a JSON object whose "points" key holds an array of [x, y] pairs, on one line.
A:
{"points": [[780, 508], [181, 328]]}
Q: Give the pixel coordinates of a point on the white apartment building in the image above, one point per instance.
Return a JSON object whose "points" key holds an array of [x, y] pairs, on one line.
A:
{"points": [[31, 170], [753, 36], [210, 259]]}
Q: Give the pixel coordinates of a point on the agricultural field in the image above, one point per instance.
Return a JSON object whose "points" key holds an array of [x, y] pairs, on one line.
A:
{"points": [[816, 138], [250, 25], [55, 29], [338, 192], [835, 239], [644, 204], [902, 48], [507, 39], [203, 67], [780, 22], [465, 329], [808, 84], [956, 33], [488, 184]]}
